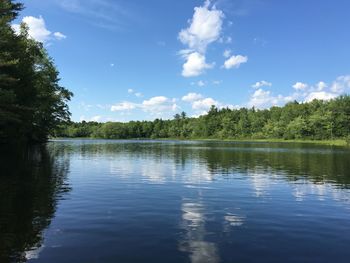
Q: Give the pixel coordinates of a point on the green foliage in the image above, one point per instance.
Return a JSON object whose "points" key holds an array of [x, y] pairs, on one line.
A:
{"points": [[32, 103], [318, 119], [347, 139]]}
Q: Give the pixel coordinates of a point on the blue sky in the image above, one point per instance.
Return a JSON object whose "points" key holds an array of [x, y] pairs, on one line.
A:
{"points": [[136, 59]]}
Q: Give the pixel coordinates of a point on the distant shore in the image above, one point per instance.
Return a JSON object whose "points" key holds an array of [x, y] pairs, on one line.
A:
{"points": [[335, 142]]}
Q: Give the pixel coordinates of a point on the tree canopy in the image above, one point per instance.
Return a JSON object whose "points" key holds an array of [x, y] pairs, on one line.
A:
{"points": [[32, 103], [318, 120]]}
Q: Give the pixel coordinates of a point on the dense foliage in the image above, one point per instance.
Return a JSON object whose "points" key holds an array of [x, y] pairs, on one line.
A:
{"points": [[317, 120], [32, 103]]}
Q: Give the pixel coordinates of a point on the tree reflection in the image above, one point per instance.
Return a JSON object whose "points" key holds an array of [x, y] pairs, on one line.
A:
{"points": [[31, 183], [314, 163]]}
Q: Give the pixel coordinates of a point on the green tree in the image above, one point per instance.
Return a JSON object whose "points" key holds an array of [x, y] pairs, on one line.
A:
{"points": [[32, 103]]}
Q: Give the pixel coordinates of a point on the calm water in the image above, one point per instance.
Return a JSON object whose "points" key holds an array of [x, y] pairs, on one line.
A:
{"points": [[150, 201]]}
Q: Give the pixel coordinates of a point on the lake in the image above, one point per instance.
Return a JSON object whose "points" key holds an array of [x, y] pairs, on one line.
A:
{"points": [[175, 201]]}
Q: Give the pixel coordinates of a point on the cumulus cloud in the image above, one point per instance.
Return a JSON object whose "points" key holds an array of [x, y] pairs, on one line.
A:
{"points": [[204, 27], [235, 61], [303, 92], [320, 95], [300, 86], [262, 83], [264, 99], [155, 101], [323, 91], [37, 29], [190, 97], [195, 65], [124, 106], [341, 84], [204, 104], [321, 86], [159, 104], [201, 105]]}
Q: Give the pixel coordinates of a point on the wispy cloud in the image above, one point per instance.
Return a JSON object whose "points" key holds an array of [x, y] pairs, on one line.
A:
{"points": [[102, 13]]}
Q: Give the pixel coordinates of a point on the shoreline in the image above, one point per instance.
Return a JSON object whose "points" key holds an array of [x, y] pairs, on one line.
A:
{"points": [[335, 142]]}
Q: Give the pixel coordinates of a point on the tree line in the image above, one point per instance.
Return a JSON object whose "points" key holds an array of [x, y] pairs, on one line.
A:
{"points": [[316, 120], [32, 103]]}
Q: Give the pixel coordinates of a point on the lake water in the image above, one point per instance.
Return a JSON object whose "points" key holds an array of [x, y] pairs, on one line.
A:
{"points": [[168, 201]]}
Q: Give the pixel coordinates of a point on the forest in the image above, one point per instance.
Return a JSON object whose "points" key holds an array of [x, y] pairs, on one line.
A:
{"points": [[316, 120], [32, 103]]}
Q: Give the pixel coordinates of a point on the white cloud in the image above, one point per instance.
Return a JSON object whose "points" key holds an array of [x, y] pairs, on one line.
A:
{"points": [[262, 83], [60, 36], [205, 27], [303, 92], [264, 99], [195, 65], [155, 101], [190, 97], [260, 98], [227, 53], [204, 104], [124, 106], [225, 40], [96, 118], [86, 107], [321, 86], [235, 61], [37, 29], [137, 94], [341, 84], [320, 95], [159, 104], [201, 83], [300, 86], [201, 105]]}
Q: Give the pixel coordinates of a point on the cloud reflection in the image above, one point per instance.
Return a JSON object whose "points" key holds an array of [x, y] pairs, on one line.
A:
{"points": [[193, 242]]}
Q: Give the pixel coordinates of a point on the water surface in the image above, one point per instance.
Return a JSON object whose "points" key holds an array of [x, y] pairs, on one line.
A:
{"points": [[169, 201]]}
